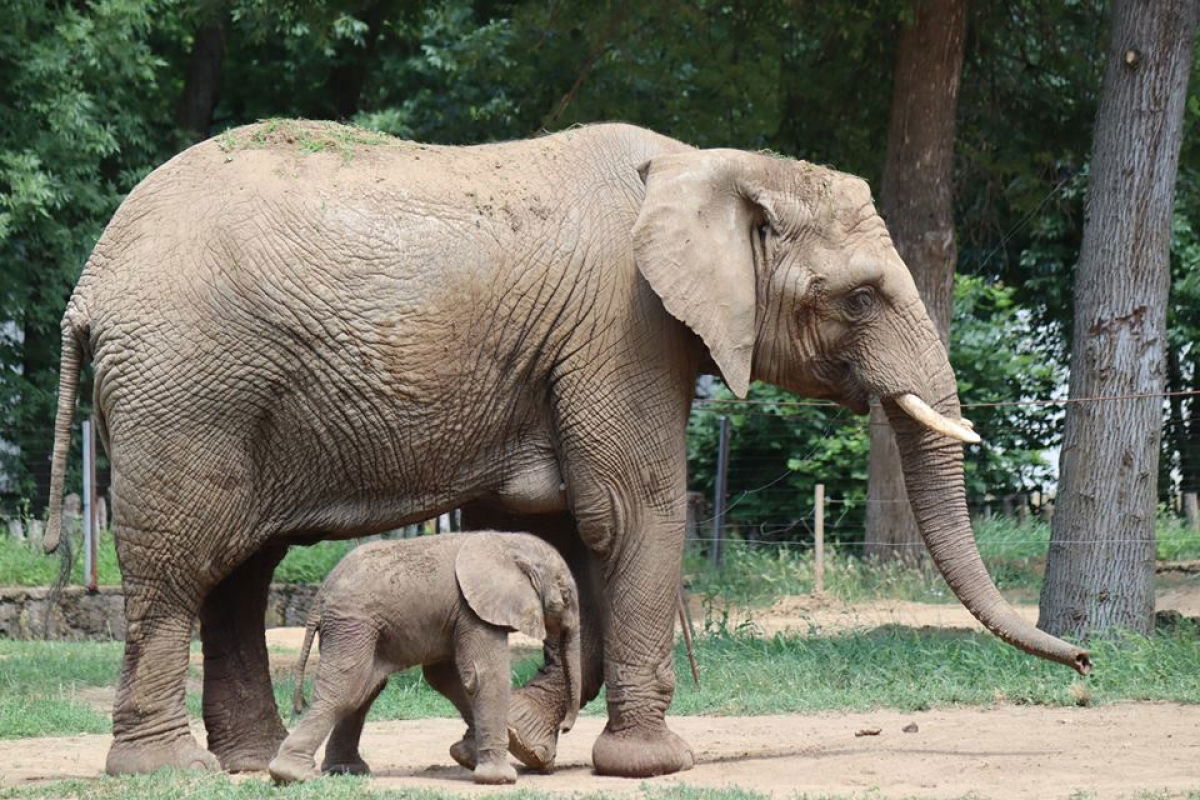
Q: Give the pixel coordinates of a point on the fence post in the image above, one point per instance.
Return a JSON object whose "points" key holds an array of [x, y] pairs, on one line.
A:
{"points": [[90, 534], [1191, 511], [819, 550], [719, 491]]}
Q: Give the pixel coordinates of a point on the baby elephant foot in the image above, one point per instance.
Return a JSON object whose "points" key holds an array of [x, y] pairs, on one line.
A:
{"points": [[346, 767], [494, 770], [463, 751], [532, 732], [291, 769]]}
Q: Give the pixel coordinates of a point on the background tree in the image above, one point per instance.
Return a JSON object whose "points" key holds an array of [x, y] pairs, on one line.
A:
{"points": [[917, 202], [82, 107], [1100, 570], [94, 94]]}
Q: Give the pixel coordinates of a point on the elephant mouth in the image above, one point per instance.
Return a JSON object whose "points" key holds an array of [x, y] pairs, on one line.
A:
{"points": [[859, 402]]}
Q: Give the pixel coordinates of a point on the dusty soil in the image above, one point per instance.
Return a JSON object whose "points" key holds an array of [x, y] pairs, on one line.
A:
{"points": [[1001, 752], [1004, 752]]}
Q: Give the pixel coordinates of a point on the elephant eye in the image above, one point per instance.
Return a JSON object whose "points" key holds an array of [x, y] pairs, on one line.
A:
{"points": [[860, 301]]}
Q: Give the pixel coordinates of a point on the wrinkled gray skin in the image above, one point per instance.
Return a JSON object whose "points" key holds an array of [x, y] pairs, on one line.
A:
{"points": [[447, 603], [293, 345]]}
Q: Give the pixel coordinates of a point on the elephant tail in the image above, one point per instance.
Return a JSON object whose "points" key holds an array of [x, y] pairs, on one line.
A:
{"points": [[310, 629], [71, 361]]}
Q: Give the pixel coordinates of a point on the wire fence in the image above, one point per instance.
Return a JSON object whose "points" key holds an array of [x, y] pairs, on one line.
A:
{"points": [[768, 501]]}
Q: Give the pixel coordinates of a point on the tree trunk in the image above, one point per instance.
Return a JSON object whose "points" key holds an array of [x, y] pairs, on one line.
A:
{"points": [[1100, 569], [917, 202], [202, 83]]}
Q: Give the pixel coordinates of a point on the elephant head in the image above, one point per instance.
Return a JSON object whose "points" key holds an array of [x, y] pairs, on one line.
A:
{"points": [[786, 271], [517, 581]]}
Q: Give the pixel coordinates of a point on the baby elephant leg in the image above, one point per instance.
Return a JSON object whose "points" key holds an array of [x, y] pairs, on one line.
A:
{"points": [[341, 751], [483, 666], [443, 677], [347, 680]]}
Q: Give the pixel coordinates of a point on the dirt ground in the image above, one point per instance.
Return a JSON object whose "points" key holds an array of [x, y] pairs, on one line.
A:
{"points": [[1002, 752]]}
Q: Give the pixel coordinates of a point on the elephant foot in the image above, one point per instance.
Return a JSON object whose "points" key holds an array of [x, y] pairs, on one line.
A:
{"points": [[357, 767], [463, 751], [641, 753], [532, 731], [494, 771], [137, 757], [291, 769], [250, 755]]}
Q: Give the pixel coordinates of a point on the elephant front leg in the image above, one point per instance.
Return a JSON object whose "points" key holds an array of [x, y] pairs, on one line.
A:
{"points": [[623, 457], [641, 592], [240, 714], [485, 671]]}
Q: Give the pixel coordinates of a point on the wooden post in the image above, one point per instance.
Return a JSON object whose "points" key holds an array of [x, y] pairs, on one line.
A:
{"points": [[720, 489], [90, 531], [819, 549], [1191, 511]]}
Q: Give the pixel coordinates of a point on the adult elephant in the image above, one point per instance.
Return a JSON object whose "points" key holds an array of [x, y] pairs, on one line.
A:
{"points": [[305, 331]]}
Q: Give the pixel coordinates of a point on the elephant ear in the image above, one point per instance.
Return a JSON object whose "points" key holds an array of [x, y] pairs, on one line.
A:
{"points": [[496, 587], [694, 244]]}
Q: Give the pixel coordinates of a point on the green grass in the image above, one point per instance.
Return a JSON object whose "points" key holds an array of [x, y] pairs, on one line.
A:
{"points": [[172, 785], [168, 785], [312, 563], [38, 682], [911, 669], [23, 565], [756, 574], [889, 667]]}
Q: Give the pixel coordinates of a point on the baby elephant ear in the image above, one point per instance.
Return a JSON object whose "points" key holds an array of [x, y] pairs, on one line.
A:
{"points": [[495, 586]]}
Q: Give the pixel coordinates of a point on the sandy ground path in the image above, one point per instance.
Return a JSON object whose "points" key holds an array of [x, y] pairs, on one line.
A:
{"points": [[1004, 752]]}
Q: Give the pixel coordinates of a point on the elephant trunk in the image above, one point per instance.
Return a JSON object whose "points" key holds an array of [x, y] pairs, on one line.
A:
{"points": [[569, 652], [933, 475]]}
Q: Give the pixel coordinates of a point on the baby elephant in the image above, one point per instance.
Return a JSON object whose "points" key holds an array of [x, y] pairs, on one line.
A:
{"points": [[447, 602]]}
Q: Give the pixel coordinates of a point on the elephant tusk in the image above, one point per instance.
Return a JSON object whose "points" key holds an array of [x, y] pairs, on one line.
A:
{"points": [[919, 410], [966, 422]]}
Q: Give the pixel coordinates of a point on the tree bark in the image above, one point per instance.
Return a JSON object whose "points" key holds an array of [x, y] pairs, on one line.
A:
{"points": [[202, 82], [1100, 569], [917, 202]]}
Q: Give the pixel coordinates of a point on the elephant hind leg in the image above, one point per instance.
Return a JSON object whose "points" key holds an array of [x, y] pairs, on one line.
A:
{"points": [[150, 724], [240, 713], [342, 756], [348, 678], [443, 678]]}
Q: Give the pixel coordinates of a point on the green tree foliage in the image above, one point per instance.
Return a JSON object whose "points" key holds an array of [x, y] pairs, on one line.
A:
{"points": [[87, 107], [81, 121]]}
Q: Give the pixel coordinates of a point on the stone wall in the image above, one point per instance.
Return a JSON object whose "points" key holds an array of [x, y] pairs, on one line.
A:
{"points": [[101, 615]]}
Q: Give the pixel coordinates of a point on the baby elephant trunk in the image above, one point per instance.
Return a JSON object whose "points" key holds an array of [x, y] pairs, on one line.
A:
{"points": [[569, 650]]}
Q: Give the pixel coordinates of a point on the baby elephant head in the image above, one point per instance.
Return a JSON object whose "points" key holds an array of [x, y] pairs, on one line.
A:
{"points": [[517, 581]]}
